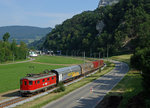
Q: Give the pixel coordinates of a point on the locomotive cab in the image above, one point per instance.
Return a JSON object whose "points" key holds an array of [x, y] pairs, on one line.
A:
{"points": [[26, 84], [35, 83]]}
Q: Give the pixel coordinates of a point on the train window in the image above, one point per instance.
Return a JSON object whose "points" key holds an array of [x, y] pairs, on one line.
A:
{"points": [[52, 78], [47, 79], [43, 80], [38, 81], [30, 82], [25, 83], [35, 82], [20, 82]]}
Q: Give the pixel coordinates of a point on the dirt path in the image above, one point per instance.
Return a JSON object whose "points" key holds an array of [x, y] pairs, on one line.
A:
{"points": [[54, 64], [31, 59]]}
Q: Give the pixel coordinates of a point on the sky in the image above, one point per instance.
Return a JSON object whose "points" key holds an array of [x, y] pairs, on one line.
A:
{"points": [[41, 13]]}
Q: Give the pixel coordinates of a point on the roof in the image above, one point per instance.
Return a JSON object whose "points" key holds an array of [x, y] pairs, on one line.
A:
{"points": [[67, 69], [38, 76]]}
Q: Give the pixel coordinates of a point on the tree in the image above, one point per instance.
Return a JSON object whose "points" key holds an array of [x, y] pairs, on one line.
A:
{"points": [[22, 50], [6, 37], [141, 61], [2, 55]]}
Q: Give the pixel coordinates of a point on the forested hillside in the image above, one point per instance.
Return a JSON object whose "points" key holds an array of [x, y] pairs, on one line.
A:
{"points": [[125, 27], [26, 34]]}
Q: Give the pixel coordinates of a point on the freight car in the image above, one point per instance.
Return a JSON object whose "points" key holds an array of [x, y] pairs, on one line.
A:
{"points": [[34, 83], [67, 73]]}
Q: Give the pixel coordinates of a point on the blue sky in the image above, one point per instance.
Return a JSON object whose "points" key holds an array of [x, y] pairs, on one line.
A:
{"points": [[41, 13]]}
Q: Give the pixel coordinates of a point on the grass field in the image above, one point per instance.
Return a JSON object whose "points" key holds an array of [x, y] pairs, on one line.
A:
{"points": [[58, 60], [53, 96], [130, 85], [123, 58], [10, 74]]}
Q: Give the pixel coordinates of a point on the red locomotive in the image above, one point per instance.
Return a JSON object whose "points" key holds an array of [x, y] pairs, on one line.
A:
{"points": [[34, 83]]}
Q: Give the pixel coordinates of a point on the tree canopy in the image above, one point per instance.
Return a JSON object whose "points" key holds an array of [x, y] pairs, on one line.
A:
{"points": [[124, 26], [12, 51]]}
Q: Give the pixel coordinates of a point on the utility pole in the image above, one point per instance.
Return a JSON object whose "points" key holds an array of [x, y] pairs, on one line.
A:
{"points": [[104, 54], [99, 55], [84, 57], [84, 62], [95, 55], [107, 52], [90, 52]]}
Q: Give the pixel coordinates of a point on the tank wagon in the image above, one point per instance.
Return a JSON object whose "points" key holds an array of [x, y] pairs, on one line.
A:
{"points": [[34, 83]]}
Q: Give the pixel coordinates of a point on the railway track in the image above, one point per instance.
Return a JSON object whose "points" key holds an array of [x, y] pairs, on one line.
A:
{"points": [[9, 103]]}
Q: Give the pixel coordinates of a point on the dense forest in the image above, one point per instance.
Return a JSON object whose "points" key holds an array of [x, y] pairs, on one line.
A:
{"points": [[12, 51], [123, 27]]}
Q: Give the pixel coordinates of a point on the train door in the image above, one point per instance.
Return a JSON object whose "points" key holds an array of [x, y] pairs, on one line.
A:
{"points": [[24, 84]]}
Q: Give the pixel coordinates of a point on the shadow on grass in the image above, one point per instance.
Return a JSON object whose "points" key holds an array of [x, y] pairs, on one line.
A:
{"points": [[129, 87], [13, 94]]}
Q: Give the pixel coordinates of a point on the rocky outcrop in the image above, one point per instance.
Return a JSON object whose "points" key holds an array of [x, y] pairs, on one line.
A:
{"points": [[100, 24], [99, 27], [106, 2]]}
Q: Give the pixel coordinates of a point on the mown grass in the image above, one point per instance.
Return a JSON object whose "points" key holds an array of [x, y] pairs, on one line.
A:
{"points": [[58, 60], [10, 74], [130, 85], [53, 96], [123, 58]]}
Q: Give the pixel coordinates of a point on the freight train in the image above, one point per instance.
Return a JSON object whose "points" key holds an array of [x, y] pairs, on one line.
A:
{"points": [[34, 83]]}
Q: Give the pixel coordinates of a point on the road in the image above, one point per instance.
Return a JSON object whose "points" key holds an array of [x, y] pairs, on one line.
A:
{"points": [[91, 94]]}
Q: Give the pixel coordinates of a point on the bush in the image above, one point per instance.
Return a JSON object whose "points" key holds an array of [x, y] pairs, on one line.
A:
{"points": [[108, 64], [60, 88], [141, 61]]}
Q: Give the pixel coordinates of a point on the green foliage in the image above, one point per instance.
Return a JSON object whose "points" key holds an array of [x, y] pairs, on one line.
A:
{"points": [[60, 88], [128, 87], [74, 34], [6, 37], [141, 61], [10, 51], [127, 25]]}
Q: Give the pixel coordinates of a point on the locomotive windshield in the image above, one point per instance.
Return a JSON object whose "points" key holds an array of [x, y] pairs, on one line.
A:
{"points": [[30, 82]]}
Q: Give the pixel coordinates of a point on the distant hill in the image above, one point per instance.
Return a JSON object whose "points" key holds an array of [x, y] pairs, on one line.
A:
{"points": [[26, 34]]}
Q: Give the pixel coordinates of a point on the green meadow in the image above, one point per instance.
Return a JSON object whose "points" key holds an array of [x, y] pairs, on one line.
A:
{"points": [[58, 60], [130, 85], [10, 74]]}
